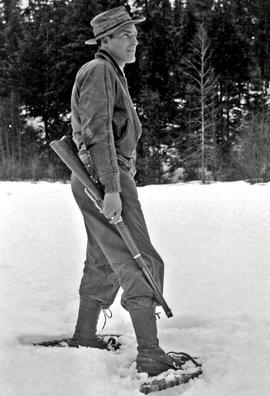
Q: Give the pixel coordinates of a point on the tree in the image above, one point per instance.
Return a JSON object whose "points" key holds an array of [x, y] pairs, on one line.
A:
{"points": [[41, 80], [201, 96], [261, 19], [10, 120], [252, 152], [230, 60], [153, 86]]}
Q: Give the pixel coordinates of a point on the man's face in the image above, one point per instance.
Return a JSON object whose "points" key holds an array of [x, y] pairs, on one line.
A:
{"points": [[123, 43]]}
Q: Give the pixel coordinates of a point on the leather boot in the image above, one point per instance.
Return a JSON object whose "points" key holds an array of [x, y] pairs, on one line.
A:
{"points": [[151, 358], [86, 327]]}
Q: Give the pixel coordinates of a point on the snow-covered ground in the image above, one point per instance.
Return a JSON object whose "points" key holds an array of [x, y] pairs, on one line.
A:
{"points": [[215, 241]]}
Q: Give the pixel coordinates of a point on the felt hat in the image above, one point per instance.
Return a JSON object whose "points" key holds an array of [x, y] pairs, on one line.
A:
{"points": [[109, 21]]}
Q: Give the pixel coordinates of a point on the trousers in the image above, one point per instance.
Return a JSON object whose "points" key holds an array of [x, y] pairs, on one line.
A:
{"points": [[109, 265]]}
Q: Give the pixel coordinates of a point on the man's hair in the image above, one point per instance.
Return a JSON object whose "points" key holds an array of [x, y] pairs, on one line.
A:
{"points": [[99, 41]]}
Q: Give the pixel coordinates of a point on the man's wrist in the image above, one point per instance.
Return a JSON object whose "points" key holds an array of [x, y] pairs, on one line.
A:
{"points": [[112, 193]]}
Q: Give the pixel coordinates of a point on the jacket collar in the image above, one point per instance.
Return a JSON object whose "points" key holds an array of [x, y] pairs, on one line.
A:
{"points": [[105, 55]]}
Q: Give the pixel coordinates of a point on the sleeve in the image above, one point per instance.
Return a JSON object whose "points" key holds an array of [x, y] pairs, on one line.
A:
{"points": [[96, 103]]}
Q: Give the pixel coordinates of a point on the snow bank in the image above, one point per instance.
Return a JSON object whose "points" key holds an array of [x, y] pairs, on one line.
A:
{"points": [[215, 242]]}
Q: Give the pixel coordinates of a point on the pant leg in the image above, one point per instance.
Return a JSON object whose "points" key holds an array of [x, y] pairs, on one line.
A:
{"points": [[130, 277], [134, 219], [99, 282]]}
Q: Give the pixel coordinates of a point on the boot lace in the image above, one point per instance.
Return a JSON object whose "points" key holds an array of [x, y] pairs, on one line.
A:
{"points": [[107, 315]]}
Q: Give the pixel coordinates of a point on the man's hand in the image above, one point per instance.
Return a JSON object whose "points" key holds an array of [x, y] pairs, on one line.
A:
{"points": [[112, 206]]}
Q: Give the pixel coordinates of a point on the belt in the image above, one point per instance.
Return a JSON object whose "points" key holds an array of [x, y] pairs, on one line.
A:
{"points": [[127, 164]]}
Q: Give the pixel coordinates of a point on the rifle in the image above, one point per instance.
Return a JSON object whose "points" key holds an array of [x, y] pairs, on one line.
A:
{"points": [[65, 149]]}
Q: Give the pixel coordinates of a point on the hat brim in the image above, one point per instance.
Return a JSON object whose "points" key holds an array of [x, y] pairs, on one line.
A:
{"points": [[93, 41]]}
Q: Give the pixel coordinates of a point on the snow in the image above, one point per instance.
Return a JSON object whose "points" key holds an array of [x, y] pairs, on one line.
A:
{"points": [[215, 243]]}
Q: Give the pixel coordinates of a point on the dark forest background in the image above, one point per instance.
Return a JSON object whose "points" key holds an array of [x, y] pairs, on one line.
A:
{"points": [[200, 86]]}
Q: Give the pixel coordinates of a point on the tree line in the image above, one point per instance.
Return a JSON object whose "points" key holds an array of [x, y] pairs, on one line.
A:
{"points": [[200, 85]]}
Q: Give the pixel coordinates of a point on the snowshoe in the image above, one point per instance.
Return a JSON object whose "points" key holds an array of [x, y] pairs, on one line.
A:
{"points": [[186, 368], [110, 340]]}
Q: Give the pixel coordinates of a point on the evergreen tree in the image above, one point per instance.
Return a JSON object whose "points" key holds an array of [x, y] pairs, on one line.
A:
{"points": [[10, 121], [201, 100], [42, 85], [153, 87], [261, 19], [230, 61], [252, 154]]}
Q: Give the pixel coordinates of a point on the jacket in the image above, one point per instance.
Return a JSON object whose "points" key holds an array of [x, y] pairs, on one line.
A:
{"points": [[104, 121]]}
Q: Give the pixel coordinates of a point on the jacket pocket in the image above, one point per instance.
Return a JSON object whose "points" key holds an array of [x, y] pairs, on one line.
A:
{"points": [[120, 135]]}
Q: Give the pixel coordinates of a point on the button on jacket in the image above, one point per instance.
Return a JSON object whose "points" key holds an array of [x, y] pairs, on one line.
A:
{"points": [[104, 120]]}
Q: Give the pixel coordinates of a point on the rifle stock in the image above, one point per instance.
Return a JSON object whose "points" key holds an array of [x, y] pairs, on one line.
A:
{"points": [[66, 152]]}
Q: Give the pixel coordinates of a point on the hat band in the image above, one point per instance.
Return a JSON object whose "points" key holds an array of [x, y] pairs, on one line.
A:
{"points": [[113, 27]]}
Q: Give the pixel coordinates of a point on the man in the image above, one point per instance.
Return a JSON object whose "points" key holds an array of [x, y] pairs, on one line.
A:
{"points": [[106, 130]]}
